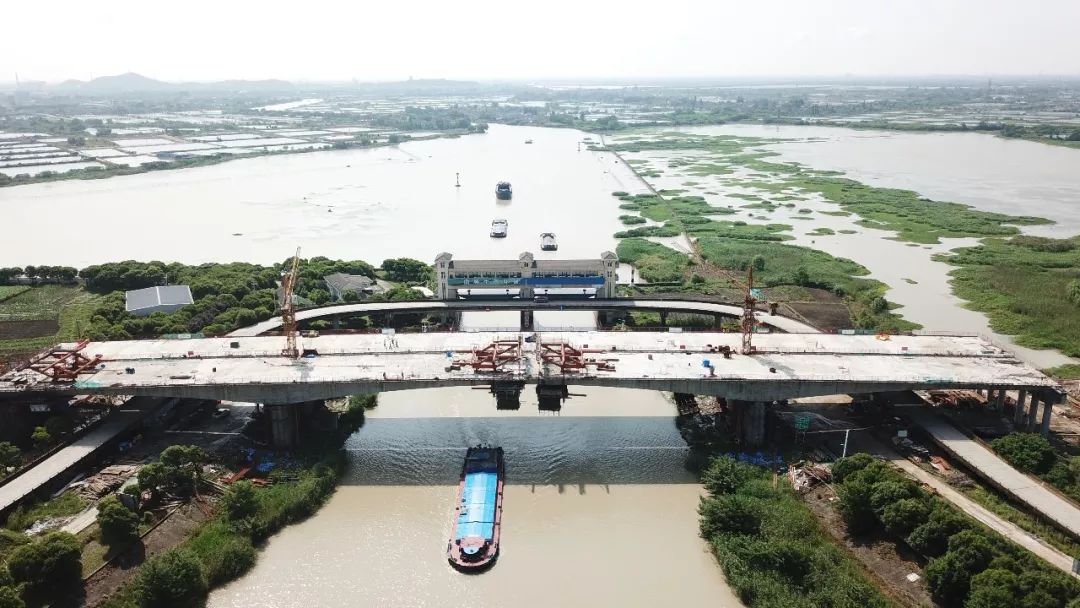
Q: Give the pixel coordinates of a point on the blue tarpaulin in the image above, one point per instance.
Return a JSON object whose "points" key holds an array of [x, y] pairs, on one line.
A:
{"points": [[477, 517]]}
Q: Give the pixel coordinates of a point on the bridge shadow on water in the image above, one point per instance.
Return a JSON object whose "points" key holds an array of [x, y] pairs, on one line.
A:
{"points": [[571, 452]]}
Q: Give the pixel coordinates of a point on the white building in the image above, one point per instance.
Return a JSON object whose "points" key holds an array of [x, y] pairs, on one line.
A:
{"points": [[526, 276], [167, 298]]}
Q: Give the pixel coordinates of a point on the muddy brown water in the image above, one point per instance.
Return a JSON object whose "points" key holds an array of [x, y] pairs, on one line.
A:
{"points": [[599, 511]]}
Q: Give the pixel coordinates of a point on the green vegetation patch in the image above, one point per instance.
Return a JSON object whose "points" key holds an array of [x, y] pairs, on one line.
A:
{"points": [[1028, 286], [631, 220], [969, 565], [654, 262], [821, 231], [771, 547], [68, 503], [913, 217]]}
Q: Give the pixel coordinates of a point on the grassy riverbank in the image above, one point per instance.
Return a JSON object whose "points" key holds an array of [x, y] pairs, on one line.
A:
{"points": [[224, 547], [772, 550], [1029, 287]]}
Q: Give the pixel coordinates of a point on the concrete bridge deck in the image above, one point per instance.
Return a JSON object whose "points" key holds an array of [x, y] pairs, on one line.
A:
{"points": [[431, 306], [787, 366]]}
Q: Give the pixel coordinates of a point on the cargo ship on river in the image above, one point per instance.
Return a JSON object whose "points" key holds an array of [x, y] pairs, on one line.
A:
{"points": [[474, 544]]}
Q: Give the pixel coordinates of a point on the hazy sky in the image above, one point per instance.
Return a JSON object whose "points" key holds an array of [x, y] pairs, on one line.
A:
{"points": [[324, 40]]}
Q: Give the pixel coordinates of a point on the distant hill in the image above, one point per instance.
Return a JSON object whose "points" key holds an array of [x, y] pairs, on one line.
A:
{"points": [[121, 83], [137, 83]]}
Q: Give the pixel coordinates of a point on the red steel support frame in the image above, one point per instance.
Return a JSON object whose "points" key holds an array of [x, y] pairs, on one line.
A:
{"points": [[566, 356], [494, 356], [62, 364]]}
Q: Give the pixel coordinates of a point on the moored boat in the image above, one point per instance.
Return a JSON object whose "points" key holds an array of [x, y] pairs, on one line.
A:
{"points": [[503, 191], [474, 543]]}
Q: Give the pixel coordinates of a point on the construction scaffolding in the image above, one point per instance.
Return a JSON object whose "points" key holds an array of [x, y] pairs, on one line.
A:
{"points": [[571, 359], [495, 356]]}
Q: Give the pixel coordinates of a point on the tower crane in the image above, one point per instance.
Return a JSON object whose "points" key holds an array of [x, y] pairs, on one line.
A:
{"points": [[749, 321], [288, 309]]}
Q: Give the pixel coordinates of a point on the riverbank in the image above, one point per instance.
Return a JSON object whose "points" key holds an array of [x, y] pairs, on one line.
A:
{"points": [[223, 546]]}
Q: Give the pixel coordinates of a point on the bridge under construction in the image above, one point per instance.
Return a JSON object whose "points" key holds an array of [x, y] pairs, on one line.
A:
{"points": [[782, 366]]}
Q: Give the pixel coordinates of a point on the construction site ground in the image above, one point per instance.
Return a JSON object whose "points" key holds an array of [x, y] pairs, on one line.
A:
{"points": [[887, 561], [877, 441], [103, 584], [194, 424]]}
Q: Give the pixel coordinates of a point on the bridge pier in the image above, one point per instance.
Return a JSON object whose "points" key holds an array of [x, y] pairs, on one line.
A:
{"points": [[526, 320], [749, 418], [551, 396], [663, 318], [284, 425], [507, 395], [999, 401]]}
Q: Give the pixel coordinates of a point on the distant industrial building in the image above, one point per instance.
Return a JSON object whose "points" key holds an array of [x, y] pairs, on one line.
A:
{"points": [[167, 298], [340, 284], [526, 276]]}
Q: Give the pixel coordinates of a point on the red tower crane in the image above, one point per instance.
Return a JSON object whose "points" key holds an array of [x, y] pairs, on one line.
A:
{"points": [[288, 309]]}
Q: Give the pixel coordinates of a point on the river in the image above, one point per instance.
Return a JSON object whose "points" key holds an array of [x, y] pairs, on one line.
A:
{"points": [[369, 204], [599, 511]]}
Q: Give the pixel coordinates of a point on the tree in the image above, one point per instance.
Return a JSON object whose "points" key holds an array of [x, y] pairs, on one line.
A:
{"points": [[40, 436], [1030, 452], [758, 262], [406, 270], [724, 475], [183, 466], [10, 456], [50, 568], [241, 501], [885, 493], [119, 524], [173, 579], [154, 477]]}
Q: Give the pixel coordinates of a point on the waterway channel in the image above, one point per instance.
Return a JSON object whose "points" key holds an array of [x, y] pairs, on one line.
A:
{"points": [[599, 511]]}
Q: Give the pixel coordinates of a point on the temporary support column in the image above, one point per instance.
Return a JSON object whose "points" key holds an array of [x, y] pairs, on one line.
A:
{"points": [[749, 421], [999, 402], [284, 427], [1033, 411], [1019, 414], [1048, 407]]}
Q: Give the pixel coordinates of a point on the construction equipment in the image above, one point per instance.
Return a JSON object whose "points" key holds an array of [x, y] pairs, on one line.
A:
{"points": [[288, 309], [61, 364]]}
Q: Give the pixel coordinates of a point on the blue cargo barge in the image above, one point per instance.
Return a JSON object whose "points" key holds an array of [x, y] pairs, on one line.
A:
{"points": [[474, 544]]}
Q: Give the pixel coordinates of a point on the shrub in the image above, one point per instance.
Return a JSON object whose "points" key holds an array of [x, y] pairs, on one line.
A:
{"points": [[173, 579], [50, 568], [724, 475], [240, 501], [846, 466], [9, 598], [932, 537], [992, 588], [10, 456], [225, 554], [119, 524], [888, 492], [730, 513], [903, 516], [1029, 452], [855, 505], [40, 436]]}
